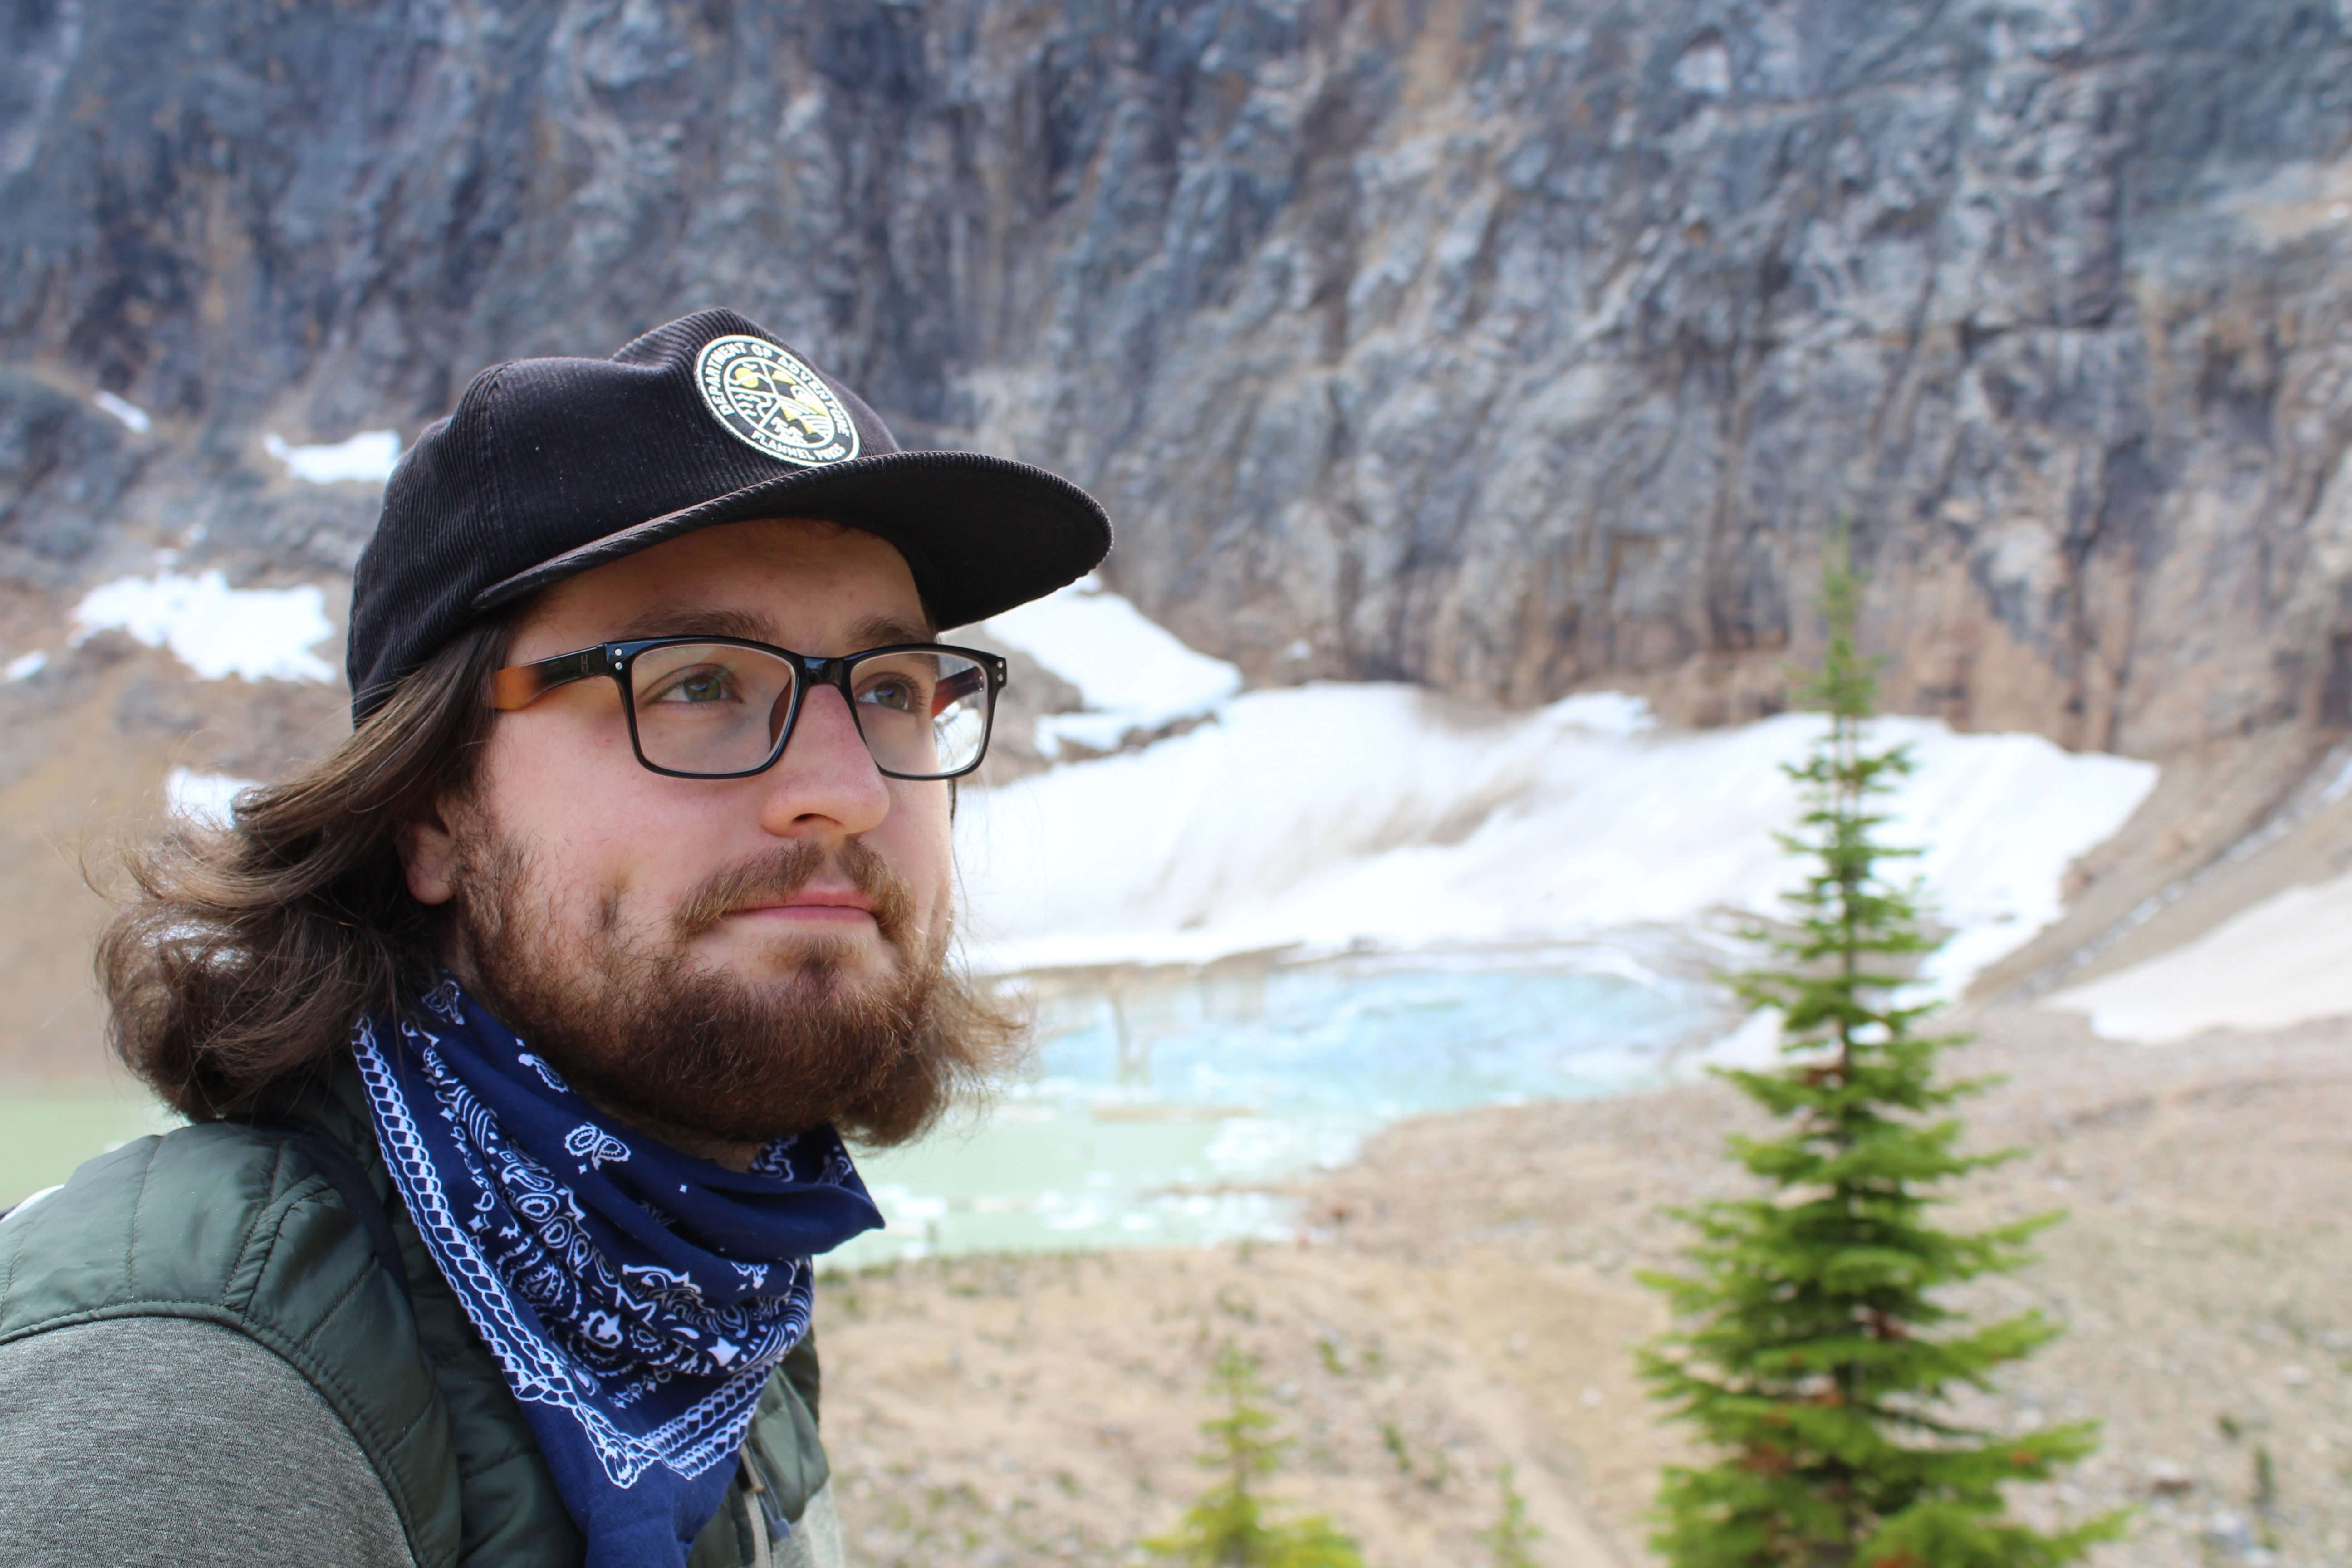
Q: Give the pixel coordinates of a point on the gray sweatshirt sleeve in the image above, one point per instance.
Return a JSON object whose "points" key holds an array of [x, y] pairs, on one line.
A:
{"points": [[174, 1443], [817, 1542]]}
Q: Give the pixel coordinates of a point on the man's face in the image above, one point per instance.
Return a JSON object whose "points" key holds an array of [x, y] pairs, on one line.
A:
{"points": [[644, 925]]}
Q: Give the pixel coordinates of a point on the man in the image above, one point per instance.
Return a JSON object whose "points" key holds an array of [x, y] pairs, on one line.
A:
{"points": [[516, 1033]]}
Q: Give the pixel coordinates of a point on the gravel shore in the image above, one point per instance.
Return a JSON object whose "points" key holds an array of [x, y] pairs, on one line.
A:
{"points": [[1461, 1299]]}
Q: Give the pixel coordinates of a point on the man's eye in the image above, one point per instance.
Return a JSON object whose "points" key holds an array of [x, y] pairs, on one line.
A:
{"points": [[898, 696], [697, 685]]}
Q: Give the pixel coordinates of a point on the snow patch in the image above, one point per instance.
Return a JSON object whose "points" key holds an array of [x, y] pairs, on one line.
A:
{"points": [[2285, 961], [1132, 673], [1605, 713], [217, 631], [206, 798], [23, 666], [129, 413], [1332, 817], [1704, 69], [1753, 1046], [367, 458]]}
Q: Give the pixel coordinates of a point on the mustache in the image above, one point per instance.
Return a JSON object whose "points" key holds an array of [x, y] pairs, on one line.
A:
{"points": [[776, 876]]}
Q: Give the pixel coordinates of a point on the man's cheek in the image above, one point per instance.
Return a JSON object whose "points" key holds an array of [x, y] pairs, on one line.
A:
{"points": [[606, 900], [934, 920], [609, 912]]}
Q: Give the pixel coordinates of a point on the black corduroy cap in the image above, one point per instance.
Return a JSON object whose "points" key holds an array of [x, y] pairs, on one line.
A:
{"points": [[549, 467]]}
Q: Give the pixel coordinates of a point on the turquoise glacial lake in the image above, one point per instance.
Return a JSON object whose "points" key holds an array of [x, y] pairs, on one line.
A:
{"points": [[1169, 1106]]}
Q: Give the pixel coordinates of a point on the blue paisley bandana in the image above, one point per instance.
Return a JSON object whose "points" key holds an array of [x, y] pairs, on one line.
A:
{"points": [[636, 1297]]}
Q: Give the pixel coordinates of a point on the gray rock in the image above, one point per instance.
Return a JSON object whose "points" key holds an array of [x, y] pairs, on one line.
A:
{"points": [[2229, 1536], [64, 467], [1510, 349]]}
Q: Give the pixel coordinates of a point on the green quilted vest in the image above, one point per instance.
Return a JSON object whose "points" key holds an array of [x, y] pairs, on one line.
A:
{"points": [[235, 1227]]}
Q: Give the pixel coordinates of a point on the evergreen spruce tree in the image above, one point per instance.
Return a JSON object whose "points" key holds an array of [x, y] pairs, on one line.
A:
{"points": [[1814, 1352], [1227, 1528]]}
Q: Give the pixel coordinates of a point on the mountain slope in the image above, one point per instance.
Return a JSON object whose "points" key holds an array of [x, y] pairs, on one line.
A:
{"points": [[1506, 349]]}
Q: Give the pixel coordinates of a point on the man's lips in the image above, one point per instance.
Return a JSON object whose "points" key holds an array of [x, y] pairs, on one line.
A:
{"points": [[814, 906]]}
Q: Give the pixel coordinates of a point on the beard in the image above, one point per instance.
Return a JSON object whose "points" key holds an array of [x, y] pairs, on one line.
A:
{"points": [[654, 1038]]}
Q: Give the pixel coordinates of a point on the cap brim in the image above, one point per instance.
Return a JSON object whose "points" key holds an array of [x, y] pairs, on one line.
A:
{"points": [[980, 535]]}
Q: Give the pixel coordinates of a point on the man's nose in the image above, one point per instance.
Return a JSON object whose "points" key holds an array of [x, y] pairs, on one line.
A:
{"points": [[827, 776]]}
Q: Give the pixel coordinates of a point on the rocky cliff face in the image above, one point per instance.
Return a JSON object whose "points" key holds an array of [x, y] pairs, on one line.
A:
{"points": [[1506, 347]]}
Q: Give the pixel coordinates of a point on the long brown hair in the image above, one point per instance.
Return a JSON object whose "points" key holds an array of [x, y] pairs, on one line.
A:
{"points": [[245, 953]]}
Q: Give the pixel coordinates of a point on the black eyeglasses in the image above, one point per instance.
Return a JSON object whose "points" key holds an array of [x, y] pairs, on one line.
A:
{"points": [[722, 708]]}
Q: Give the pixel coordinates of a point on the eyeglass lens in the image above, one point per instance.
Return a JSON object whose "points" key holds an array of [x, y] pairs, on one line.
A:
{"points": [[716, 708]]}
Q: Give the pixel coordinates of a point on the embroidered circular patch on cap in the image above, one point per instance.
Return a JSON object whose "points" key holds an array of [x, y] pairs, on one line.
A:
{"points": [[770, 400]]}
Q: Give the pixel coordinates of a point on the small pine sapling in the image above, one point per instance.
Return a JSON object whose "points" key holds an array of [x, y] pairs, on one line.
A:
{"points": [[1510, 1539], [1227, 1528], [1815, 1351]]}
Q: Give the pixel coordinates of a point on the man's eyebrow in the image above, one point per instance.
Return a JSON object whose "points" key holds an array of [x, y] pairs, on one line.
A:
{"points": [[712, 621], [881, 631], [695, 620]]}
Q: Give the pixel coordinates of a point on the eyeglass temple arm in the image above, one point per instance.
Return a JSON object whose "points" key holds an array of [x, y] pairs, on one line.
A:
{"points": [[955, 688], [520, 685]]}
